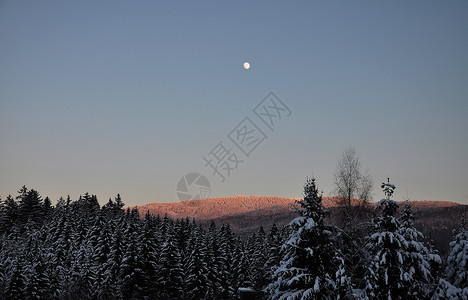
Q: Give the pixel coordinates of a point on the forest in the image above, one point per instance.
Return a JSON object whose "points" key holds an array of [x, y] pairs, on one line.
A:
{"points": [[78, 249]]}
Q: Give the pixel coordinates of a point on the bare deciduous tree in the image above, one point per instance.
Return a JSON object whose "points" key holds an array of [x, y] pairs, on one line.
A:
{"points": [[351, 182], [353, 188]]}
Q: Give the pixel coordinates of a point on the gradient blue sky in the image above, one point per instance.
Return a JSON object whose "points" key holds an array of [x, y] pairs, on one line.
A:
{"points": [[126, 97]]}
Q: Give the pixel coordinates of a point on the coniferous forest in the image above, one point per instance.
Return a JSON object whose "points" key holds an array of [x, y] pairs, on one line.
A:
{"points": [[77, 249]]}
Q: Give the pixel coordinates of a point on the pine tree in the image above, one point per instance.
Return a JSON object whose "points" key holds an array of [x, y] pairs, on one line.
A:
{"points": [[273, 246], [47, 209], [118, 202], [170, 281], [149, 256], [457, 261], [241, 266], [225, 260], [417, 277], [100, 256], [212, 260], [196, 280], [386, 250], [60, 240], [109, 206], [130, 276], [114, 208], [446, 291], [17, 283], [8, 214], [86, 207], [30, 206], [259, 257], [112, 266], [82, 273], [116, 253], [3, 279], [343, 283], [306, 270]]}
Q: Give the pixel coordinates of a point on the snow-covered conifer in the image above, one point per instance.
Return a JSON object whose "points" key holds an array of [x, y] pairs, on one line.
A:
{"points": [[170, 279], [417, 277], [225, 259], [457, 261], [307, 269], [196, 276], [386, 249]]}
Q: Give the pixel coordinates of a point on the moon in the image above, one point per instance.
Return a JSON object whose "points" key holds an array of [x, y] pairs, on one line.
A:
{"points": [[246, 65]]}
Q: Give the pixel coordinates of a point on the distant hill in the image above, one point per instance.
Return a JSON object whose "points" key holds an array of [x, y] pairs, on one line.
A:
{"points": [[214, 208], [245, 214], [254, 210]]}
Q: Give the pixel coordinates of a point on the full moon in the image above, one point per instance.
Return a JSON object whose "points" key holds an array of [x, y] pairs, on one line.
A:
{"points": [[246, 65]]}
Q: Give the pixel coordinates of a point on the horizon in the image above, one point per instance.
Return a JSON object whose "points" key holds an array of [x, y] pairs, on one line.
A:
{"points": [[373, 201], [142, 99]]}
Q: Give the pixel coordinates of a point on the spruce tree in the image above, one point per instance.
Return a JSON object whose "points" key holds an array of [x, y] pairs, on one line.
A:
{"points": [[149, 257], [130, 275], [8, 214], [457, 261], [196, 276], [242, 266], [447, 291], [385, 274], [259, 256], [47, 209], [170, 275], [16, 286], [100, 256], [273, 246], [211, 258], [417, 277], [306, 270], [226, 264], [114, 264], [29, 206]]}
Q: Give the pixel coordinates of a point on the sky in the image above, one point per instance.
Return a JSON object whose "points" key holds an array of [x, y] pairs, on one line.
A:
{"points": [[128, 97]]}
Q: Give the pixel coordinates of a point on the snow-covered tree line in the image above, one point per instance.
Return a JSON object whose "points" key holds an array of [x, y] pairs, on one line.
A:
{"points": [[395, 262], [80, 250]]}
